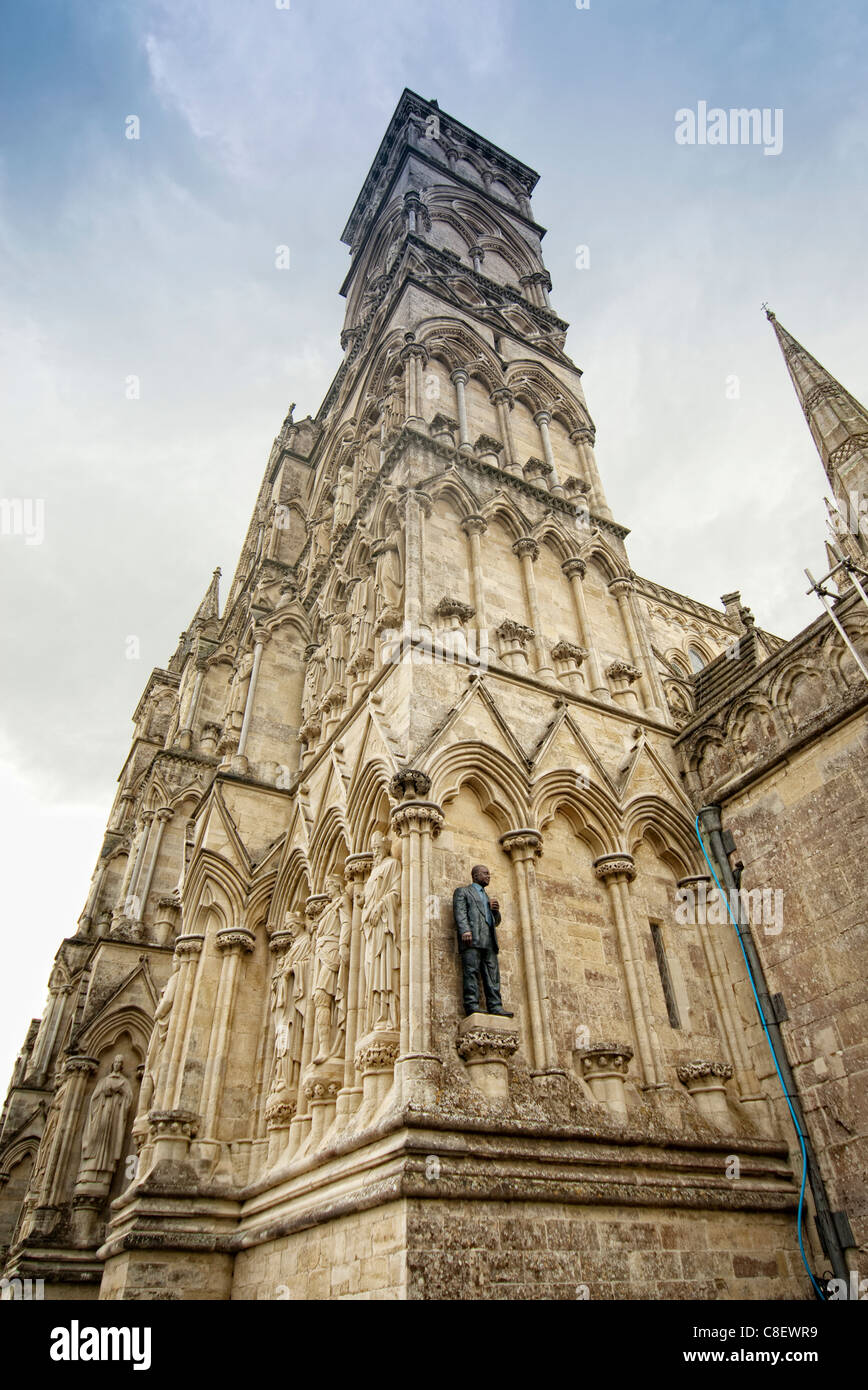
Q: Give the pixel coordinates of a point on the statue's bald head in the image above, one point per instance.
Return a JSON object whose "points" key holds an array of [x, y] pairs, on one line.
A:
{"points": [[480, 874]]}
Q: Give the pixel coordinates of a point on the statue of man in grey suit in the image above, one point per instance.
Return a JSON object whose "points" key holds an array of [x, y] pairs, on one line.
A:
{"points": [[477, 918]]}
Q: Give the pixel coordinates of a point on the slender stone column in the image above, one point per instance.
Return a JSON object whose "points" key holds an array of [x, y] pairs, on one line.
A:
{"points": [[134, 863], [503, 401], [168, 1088], [417, 506], [418, 822], [649, 664], [616, 870], [260, 637], [733, 1030], [583, 439], [474, 527], [414, 356], [47, 1035], [86, 918], [524, 846], [527, 551], [621, 589], [79, 1071], [185, 734], [232, 943], [575, 569], [357, 867], [543, 420], [163, 817], [460, 377]]}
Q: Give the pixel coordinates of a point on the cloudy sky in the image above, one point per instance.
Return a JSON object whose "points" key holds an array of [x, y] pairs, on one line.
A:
{"points": [[154, 259]]}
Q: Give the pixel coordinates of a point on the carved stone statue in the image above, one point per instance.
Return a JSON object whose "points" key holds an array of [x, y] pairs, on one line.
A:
{"points": [[157, 1041], [389, 576], [313, 679], [381, 934], [344, 498], [336, 650], [103, 1138], [360, 608], [320, 540], [238, 689], [289, 991], [331, 958]]}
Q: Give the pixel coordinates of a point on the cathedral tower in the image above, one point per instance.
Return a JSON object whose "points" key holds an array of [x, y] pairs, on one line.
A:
{"points": [[254, 1077]]}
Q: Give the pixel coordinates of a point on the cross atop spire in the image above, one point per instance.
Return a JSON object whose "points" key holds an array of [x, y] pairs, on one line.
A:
{"points": [[837, 421]]}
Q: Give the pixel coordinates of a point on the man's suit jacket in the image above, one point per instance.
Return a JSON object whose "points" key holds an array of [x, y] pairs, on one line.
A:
{"points": [[469, 914]]}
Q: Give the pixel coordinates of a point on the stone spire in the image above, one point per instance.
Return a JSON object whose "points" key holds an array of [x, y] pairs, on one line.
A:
{"points": [[837, 421], [209, 608]]}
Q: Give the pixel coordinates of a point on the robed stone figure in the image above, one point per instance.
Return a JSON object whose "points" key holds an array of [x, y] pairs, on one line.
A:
{"points": [[330, 958], [103, 1138], [381, 928], [289, 990], [477, 918]]}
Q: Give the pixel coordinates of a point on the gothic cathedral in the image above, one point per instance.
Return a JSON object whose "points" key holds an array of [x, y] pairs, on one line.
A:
{"points": [[255, 1076]]}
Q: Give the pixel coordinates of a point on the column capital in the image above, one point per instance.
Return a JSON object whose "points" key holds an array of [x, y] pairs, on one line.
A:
{"points": [[418, 816], [409, 783], [584, 435], [574, 567], [703, 1071], [542, 417], [189, 945], [413, 349], [612, 865], [502, 395], [420, 498], [525, 545], [460, 376], [165, 813], [474, 525], [357, 867], [621, 586], [80, 1063], [623, 671], [524, 843], [234, 940], [314, 905], [261, 635]]}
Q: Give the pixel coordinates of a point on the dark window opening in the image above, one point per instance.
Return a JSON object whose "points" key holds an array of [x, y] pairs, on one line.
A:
{"points": [[665, 976]]}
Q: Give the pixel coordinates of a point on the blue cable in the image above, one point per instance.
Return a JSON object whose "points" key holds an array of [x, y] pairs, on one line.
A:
{"points": [[774, 1059]]}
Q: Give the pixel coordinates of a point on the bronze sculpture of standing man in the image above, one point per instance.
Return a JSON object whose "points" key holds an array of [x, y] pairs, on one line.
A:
{"points": [[477, 918]]}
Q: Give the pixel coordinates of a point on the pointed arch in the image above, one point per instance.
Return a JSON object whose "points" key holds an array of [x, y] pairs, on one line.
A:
{"points": [[499, 784], [501, 507], [367, 793], [670, 833], [588, 807], [330, 835]]}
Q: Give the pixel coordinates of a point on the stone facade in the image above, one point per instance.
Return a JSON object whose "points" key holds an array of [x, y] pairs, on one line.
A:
{"points": [[253, 1079]]}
